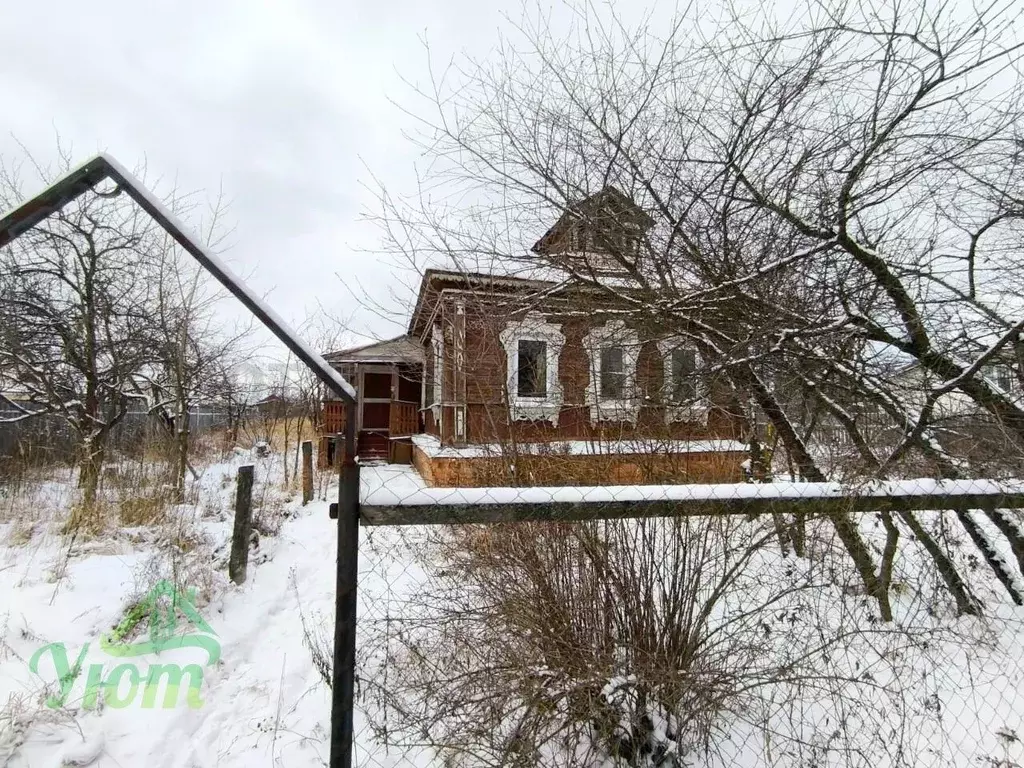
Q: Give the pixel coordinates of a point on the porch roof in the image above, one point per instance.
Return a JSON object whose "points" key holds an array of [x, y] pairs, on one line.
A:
{"points": [[401, 349]]}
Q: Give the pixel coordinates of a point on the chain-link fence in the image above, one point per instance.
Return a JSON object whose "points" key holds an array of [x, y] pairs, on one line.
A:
{"points": [[796, 624]]}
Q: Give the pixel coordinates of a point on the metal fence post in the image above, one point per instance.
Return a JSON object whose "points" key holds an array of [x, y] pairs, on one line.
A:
{"points": [[343, 685]]}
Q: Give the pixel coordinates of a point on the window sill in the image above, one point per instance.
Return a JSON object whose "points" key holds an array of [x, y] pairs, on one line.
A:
{"points": [[605, 409], [694, 412], [535, 409]]}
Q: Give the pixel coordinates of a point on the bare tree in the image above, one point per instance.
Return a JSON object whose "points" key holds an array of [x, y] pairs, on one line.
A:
{"points": [[197, 345], [833, 199], [76, 320], [327, 334]]}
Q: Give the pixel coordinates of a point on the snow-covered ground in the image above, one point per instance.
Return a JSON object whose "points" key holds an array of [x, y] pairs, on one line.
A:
{"points": [[264, 702]]}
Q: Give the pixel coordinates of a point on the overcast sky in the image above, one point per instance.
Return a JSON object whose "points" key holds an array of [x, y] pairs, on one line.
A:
{"points": [[284, 104]]}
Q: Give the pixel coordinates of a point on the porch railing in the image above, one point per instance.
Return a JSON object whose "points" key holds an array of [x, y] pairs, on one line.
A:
{"points": [[334, 417], [403, 418]]}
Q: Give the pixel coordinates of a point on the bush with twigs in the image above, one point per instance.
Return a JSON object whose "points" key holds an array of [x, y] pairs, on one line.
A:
{"points": [[642, 643]]}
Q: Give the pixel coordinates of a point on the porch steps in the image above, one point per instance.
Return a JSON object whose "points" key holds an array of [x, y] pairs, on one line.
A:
{"points": [[372, 446]]}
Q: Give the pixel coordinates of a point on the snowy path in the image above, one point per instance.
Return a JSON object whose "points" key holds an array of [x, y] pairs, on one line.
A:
{"points": [[264, 703], [265, 677]]}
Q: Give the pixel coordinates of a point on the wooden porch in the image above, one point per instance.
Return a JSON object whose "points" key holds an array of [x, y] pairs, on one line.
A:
{"points": [[387, 408]]}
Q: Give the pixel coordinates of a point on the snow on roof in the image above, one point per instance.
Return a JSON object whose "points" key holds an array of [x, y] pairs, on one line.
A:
{"points": [[431, 446], [401, 349], [531, 277]]}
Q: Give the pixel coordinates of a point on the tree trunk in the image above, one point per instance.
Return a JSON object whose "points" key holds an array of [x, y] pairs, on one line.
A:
{"points": [[892, 538], [181, 447], [851, 538], [993, 558], [845, 528], [782, 532], [966, 603], [1011, 531], [90, 467]]}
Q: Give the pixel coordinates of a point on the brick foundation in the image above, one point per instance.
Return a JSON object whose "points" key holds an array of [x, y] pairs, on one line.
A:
{"points": [[557, 470]]}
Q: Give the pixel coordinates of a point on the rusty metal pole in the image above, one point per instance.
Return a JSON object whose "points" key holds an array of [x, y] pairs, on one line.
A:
{"points": [[344, 672]]}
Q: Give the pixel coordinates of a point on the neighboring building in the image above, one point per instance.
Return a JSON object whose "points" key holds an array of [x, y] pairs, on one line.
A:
{"points": [[961, 426], [274, 405], [506, 380]]}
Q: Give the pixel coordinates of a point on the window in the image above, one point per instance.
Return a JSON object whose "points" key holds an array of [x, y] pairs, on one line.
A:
{"points": [[1004, 378], [437, 374], [613, 373], [532, 369], [612, 349], [532, 347], [682, 375], [686, 392]]}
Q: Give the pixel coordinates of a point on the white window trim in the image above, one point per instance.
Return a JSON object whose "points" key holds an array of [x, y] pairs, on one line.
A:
{"points": [[696, 411], [613, 409], [533, 327], [437, 349]]}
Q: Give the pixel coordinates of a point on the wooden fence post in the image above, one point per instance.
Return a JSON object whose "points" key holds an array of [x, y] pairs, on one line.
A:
{"points": [[307, 472], [243, 526]]}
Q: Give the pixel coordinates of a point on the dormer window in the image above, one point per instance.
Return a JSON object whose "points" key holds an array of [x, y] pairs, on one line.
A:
{"points": [[607, 223], [576, 237]]}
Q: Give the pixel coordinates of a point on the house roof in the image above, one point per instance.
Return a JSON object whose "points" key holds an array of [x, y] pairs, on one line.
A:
{"points": [[436, 280], [401, 349], [608, 203]]}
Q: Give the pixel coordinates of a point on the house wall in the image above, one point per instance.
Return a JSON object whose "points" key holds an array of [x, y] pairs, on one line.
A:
{"points": [[483, 393]]}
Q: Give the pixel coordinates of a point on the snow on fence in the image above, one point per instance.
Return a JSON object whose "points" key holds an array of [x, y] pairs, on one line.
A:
{"points": [[395, 495]]}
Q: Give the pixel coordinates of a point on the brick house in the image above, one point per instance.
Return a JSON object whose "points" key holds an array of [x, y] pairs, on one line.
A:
{"points": [[517, 381]]}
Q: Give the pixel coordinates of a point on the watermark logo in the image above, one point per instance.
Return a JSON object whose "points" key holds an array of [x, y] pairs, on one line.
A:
{"points": [[119, 683]]}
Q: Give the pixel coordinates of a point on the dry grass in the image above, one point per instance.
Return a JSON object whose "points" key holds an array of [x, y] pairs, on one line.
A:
{"points": [[316, 637], [86, 521], [140, 511], [29, 495], [21, 532], [273, 431], [269, 510]]}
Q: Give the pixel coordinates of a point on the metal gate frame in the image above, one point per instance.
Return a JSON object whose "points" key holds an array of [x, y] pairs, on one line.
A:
{"points": [[103, 167]]}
